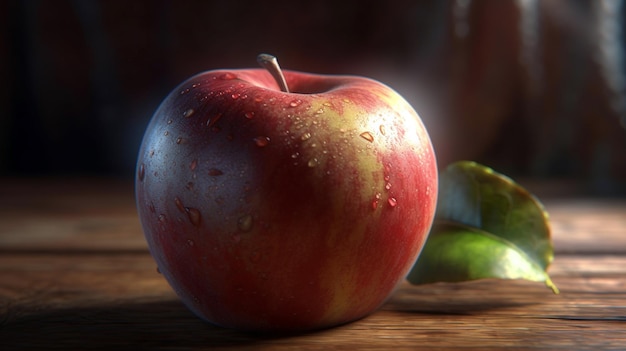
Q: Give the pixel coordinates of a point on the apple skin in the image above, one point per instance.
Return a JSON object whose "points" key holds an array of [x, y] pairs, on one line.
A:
{"points": [[274, 211]]}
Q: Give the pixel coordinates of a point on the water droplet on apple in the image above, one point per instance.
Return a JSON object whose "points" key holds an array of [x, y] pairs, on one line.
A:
{"points": [[190, 242], [194, 215], [327, 104], [185, 91], [227, 76], [295, 103], [193, 164], [245, 223], [376, 200], [162, 218], [306, 136], [312, 163], [320, 111], [258, 99], [295, 155], [188, 113], [374, 204], [392, 201], [214, 172], [388, 186], [179, 204], [166, 133], [367, 136], [179, 140], [382, 129], [141, 173], [249, 114], [261, 141], [211, 122], [169, 121], [235, 96]]}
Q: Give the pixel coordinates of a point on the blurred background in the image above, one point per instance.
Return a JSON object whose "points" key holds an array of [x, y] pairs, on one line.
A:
{"points": [[535, 89]]}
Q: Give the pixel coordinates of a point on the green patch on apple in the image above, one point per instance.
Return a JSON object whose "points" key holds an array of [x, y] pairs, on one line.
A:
{"points": [[486, 226]]}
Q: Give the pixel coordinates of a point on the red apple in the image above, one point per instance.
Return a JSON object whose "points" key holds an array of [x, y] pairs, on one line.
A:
{"points": [[274, 210]]}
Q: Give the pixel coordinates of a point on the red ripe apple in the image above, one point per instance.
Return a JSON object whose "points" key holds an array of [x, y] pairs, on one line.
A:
{"points": [[273, 210]]}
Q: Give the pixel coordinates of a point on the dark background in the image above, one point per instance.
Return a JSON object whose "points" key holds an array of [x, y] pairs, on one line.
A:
{"points": [[535, 89]]}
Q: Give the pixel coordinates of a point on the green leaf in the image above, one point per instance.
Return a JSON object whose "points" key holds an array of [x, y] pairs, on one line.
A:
{"points": [[487, 226], [456, 253]]}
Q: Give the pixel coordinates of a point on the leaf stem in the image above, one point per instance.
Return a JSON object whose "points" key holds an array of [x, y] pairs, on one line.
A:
{"points": [[551, 285]]}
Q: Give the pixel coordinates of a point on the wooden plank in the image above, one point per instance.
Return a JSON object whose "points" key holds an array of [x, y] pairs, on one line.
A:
{"points": [[70, 215], [588, 225], [85, 301], [75, 273], [100, 215]]}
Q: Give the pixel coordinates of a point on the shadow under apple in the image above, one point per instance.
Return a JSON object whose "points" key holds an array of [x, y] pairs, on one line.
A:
{"points": [[168, 324]]}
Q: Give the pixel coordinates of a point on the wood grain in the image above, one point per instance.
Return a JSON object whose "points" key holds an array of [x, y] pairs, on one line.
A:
{"points": [[96, 215], [75, 274], [90, 300], [69, 215]]}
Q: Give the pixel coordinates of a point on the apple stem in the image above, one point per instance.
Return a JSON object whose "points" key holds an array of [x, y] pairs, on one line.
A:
{"points": [[270, 63]]}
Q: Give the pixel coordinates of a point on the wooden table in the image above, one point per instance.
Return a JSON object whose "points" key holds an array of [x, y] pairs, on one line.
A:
{"points": [[75, 273]]}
